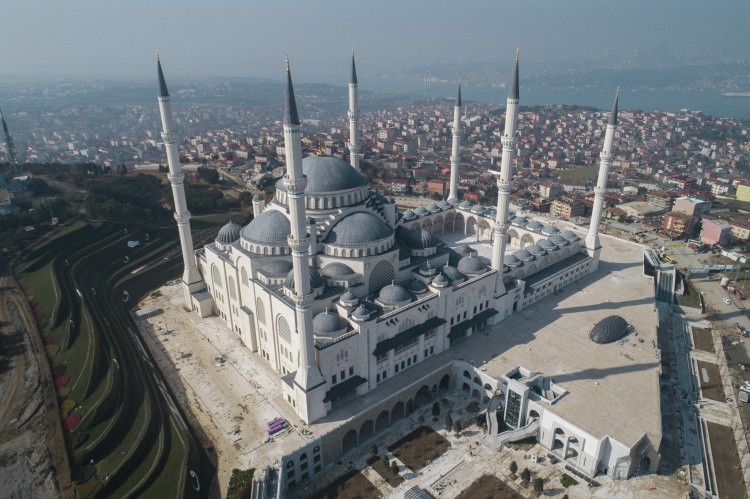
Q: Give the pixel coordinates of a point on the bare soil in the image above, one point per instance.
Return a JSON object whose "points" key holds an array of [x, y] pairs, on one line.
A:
{"points": [[711, 388], [702, 339], [419, 448], [393, 479], [353, 485], [726, 463], [488, 487]]}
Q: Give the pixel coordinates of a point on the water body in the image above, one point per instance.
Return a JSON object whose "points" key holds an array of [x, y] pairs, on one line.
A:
{"points": [[710, 102]]}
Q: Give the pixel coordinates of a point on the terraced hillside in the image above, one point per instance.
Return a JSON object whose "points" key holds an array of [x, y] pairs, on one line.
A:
{"points": [[125, 434]]}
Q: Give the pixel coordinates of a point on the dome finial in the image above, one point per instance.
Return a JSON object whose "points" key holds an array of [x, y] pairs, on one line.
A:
{"points": [[286, 62], [516, 54], [157, 56]]}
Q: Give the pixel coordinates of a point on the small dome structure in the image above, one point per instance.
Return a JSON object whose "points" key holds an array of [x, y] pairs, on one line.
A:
{"points": [[465, 205], [229, 233], [512, 261], [270, 228], [536, 250], [278, 268], [349, 299], [421, 211], [559, 240], [548, 245], [444, 204], [433, 208], [464, 249], [519, 221], [337, 269], [427, 269], [452, 273], [441, 281], [409, 215], [362, 313], [315, 280], [471, 265], [609, 329], [394, 295], [329, 324], [550, 230], [417, 287], [570, 236], [478, 209], [534, 226], [523, 255]]}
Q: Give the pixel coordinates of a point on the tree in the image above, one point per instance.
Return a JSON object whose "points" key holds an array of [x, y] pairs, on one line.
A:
{"points": [[513, 467], [210, 175], [374, 449], [538, 485], [394, 467], [526, 476], [448, 420], [386, 462], [436, 409], [457, 426]]}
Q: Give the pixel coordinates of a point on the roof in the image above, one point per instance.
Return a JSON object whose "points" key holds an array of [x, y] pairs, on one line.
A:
{"points": [[290, 104], [326, 174], [609, 329], [342, 388], [353, 74], [458, 97], [393, 294], [163, 91], [613, 113], [407, 335], [328, 323], [463, 326], [514, 93]]}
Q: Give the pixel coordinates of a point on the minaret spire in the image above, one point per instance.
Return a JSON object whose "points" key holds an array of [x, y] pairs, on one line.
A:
{"points": [[593, 246], [308, 382], [504, 181], [191, 278], [456, 148], [353, 117]]}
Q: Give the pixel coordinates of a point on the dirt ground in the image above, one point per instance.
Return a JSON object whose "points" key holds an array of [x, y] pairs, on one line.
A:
{"points": [[33, 459], [703, 340], [489, 487], [724, 452], [711, 387], [419, 448], [353, 485]]}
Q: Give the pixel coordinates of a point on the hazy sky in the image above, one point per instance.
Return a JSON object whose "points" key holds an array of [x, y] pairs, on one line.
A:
{"points": [[249, 38]]}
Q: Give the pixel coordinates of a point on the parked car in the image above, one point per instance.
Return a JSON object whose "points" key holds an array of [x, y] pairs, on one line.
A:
{"points": [[727, 301]]}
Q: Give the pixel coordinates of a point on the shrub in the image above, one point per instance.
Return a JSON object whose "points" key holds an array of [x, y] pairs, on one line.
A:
{"points": [[394, 468], [457, 426], [525, 476], [448, 420], [538, 485], [513, 467], [567, 480], [436, 409], [374, 449]]}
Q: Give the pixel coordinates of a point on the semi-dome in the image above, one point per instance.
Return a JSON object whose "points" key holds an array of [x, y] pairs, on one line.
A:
{"points": [[357, 229], [277, 268], [270, 228], [452, 273], [548, 245], [337, 269], [315, 280], [471, 265], [570, 236], [609, 329], [394, 295], [523, 255], [558, 240], [328, 174], [536, 250], [349, 299], [550, 229], [328, 324], [229, 233], [534, 226]]}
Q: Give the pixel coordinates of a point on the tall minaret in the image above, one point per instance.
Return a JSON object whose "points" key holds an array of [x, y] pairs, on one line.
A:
{"points": [[353, 118], [309, 404], [456, 150], [191, 278], [593, 247], [504, 181]]}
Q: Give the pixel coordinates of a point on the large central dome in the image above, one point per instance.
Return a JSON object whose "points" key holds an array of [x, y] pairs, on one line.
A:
{"points": [[328, 174]]}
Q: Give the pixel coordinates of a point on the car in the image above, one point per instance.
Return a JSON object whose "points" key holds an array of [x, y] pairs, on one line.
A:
{"points": [[727, 301]]}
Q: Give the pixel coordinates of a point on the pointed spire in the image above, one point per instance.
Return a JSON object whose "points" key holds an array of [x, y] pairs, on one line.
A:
{"points": [[290, 106], [458, 97], [163, 92], [513, 94], [353, 75], [613, 114]]}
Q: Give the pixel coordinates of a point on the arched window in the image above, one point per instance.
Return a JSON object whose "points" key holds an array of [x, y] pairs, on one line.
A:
{"points": [[232, 288], [260, 312], [216, 277], [243, 276], [282, 328]]}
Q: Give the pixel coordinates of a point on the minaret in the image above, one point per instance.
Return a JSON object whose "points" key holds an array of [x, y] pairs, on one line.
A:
{"points": [[353, 118], [456, 150], [191, 278], [504, 182], [593, 247], [310, 405]]}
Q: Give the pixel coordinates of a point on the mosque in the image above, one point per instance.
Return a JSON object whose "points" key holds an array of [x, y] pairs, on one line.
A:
{"points": [[340, 292]]}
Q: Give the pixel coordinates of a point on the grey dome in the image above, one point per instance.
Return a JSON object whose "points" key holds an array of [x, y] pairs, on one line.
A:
{"points": [[536, 250], [523, 255], [278, 268], [550, 229], [337, 269], [558, 240], [440, 281], [452, 273], [269, 228], [570, 235], [358, 229], [415, 238], [433, 208], [427, 269], [409, 214], [470, 265], [464, 249], [477, 208], [229, 233], [465, 204], [315, 280], [328, 324], [519, 221], [548, 245], [417, 286], [609, 329], [491, 212], [512, 261], [534, 226], [349, 299], [328, 174], [444, 204], [393, 294], [362, 313], [421, 211]]}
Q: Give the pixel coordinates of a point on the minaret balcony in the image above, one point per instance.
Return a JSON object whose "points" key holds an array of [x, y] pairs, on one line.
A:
{"points": [[295, 185], [176, 178], [508, 142], [606, 156], [299, 245]]}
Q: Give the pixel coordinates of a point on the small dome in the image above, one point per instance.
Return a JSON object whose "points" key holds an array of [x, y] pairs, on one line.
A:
{"points": [[550, 229], [416, 286], [453, 202], [464, 249], [328, 324], [440, 281], [394, 295], [278, 268], [349, 299], [326, 174], [536, 250], [315, 280], [357, 229], [512, 261], [548, 245], [491, 212], [570, 236], [471, 265], [523, 255], [270, 228], [229, 233], [558, 240], [337, 269], [465, 205], [421, 211], [452, 273], [362, 313], [477, 208], [444, 204], [311, 221], [609, 329], [409, 214], [519, 221], [534, 226], [427, 269], [433, 208]]}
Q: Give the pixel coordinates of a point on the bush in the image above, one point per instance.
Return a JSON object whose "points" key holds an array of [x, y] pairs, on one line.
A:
{"points": [[448, 420], [567, 480], [526, 476], [436, 409], [394, 468], [457, 426], [538, 485], [240, 484], [513, 467], [386, 462], [374, 450]]}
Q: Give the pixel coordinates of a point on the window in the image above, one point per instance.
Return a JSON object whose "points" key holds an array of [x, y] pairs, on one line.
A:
{"points": [[343, 374], [396, 367], [414, 359], [385, 374], [425, 352], [351, 370], [377, 378], [382, 357], [432, 350], [333, 379]]}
